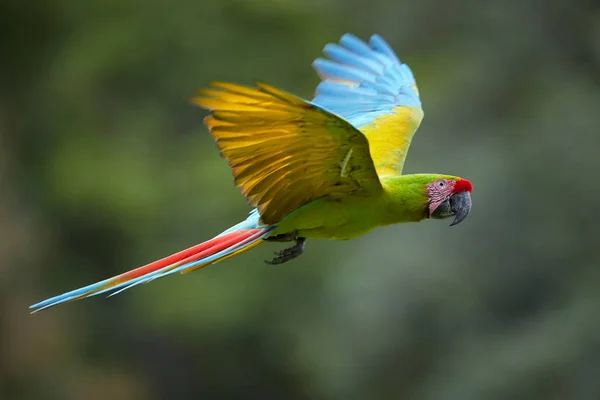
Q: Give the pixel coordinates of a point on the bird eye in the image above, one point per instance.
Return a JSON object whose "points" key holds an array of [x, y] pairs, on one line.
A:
{"points": [[441, 184]]}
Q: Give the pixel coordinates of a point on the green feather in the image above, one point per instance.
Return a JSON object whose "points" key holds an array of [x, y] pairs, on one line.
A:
{"points": [[404, 199]]}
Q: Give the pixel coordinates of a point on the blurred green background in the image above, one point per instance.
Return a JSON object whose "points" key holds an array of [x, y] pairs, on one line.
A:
{"points": [[105, 165]]}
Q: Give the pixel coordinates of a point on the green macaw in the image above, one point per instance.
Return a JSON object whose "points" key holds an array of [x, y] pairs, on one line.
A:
{"points": [[328, 168]]}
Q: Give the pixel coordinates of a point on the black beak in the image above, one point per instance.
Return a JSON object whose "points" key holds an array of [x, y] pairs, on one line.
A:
{"points": [[460, 206]]}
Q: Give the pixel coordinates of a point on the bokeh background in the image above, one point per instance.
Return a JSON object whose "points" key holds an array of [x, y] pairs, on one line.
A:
{"points": [[105, 165]]}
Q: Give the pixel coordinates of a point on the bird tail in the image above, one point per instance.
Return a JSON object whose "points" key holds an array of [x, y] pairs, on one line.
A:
{"points": [[235, 240]]}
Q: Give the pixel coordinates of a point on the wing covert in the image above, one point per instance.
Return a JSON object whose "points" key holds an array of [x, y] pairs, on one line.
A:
{"points": [[285, 152], [366, 84]]}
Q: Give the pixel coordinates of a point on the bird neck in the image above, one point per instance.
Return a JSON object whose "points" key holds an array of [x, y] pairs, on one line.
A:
{"points": [[405, 198]]}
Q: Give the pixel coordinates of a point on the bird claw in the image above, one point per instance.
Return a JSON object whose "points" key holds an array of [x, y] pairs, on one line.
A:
{"points": [[289, 253]]}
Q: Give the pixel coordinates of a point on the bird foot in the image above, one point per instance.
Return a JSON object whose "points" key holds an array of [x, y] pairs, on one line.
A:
{"points": [[288, 254]]}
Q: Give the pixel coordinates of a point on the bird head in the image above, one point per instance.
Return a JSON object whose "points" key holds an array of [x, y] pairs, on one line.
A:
{"points": [[449, 197]]}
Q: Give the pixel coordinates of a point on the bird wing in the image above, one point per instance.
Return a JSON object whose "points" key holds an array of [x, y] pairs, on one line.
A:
{"points": [[368, 85], [285, 152]]}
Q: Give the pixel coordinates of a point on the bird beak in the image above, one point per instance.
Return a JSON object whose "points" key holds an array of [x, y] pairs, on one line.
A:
{"points": [[460, 206]]}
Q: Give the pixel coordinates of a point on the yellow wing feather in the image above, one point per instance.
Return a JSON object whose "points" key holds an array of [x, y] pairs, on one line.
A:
{"points": [[285, 152], [390, 136]]}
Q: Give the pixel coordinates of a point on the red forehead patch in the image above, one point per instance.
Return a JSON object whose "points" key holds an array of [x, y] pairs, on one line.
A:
{"points": [[463, 185]]}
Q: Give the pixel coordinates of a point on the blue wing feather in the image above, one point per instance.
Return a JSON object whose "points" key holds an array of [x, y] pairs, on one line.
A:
{"points": [[356, 45], [381, 46], [344, 56], [363, 81], [340, 90], [332, 70]]}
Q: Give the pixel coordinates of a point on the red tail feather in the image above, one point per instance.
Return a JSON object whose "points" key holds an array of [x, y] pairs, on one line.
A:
{"points": [[193, 253]]}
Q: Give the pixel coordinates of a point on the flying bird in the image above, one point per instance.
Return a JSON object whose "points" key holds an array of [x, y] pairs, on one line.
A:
{"points": [[329, 168]]}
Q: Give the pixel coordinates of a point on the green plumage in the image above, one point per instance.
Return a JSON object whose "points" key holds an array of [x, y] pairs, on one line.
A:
{"points": [[404, 199]]}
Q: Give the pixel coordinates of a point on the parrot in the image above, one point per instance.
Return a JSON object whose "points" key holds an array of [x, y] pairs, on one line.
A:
{"points": [[329, 168]]}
